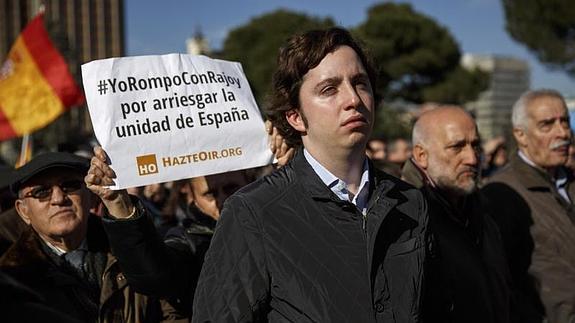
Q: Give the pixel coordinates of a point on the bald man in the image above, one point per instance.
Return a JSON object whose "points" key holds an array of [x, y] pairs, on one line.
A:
{"points": [[466, 272]]}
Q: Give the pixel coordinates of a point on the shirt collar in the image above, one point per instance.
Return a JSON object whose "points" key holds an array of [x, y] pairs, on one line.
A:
{"points": [[526, 159], [59, 251], [338, 186]]}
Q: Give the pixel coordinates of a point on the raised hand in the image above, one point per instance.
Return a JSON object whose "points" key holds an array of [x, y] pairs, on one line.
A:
{"points": [[99, 177], [281, 150]]}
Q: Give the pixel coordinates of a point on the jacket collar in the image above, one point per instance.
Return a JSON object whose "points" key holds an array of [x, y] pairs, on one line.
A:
{"points": [[531, 177], [312, 182], [28, 249], [380, 185]]}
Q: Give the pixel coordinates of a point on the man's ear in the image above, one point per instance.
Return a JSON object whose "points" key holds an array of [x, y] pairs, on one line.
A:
{"points": [[520, 137], [420, 156], [23, 210], [295, 119]]}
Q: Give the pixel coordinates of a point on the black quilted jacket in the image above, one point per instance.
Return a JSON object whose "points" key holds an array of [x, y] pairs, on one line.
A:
{"points": [[287, 249]]}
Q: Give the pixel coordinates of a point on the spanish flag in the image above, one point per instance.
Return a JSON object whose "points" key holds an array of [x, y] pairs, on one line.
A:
{"points": [[35, 84]]}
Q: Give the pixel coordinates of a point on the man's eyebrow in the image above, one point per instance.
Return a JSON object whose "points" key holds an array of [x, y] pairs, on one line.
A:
{"points": [[360, 77], [549, 120], [456, 143], [331, 80]]}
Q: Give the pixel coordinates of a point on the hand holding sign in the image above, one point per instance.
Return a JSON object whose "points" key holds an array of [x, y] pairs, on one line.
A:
{"points": [[181, 116], [279, 147], [100, 177]]}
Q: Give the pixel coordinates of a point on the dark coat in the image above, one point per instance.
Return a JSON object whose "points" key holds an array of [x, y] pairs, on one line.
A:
{"points": [[467, 279], [288, 249], [104, 296], [194, 239], [168, 268], [11, 226], [19, 304], [538, 230]]}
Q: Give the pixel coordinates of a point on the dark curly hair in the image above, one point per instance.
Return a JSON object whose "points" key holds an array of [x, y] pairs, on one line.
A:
{"points": [[302, 53]]}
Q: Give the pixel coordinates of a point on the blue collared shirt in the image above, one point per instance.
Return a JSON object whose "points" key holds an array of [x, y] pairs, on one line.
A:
{"points": [[339, 187]]}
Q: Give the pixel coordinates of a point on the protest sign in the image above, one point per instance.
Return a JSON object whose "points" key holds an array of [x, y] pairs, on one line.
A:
{"points": [[168, 117]]}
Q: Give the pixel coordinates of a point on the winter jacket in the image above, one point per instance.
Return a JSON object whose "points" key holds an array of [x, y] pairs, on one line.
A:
{"points": [[167, 269], [467, 278], [287, 248], [538, 230], [104, 296]]}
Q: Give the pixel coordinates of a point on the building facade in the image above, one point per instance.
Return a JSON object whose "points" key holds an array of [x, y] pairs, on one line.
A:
{"points": [[198, 44], [510, 77]]}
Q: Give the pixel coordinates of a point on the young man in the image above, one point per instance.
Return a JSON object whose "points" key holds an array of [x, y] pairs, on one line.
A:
{"points": [[325, 238]]}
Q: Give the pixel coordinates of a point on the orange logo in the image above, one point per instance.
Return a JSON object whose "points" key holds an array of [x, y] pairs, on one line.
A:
{"points": [[147, 164]]}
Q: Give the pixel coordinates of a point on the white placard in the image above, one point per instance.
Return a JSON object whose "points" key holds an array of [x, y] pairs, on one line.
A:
{"points": [[168, 117]]}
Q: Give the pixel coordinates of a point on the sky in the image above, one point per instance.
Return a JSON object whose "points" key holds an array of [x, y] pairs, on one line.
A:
{"points": [[159, 27]]}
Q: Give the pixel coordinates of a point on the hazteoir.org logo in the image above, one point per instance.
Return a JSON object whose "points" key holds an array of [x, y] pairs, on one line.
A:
{"points": [[147, 164]]}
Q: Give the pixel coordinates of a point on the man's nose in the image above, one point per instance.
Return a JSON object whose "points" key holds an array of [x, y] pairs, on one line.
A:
{"points": [[58, 196], [471, 156], [352, 99]]}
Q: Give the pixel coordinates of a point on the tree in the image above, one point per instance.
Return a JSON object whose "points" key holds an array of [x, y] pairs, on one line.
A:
{"points": [[546, 27], [414, 55], [391, 123], [256, 44], [458, 87]]}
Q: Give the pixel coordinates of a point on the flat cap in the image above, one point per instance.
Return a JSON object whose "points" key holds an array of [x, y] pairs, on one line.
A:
{"points": [[46, 161]]}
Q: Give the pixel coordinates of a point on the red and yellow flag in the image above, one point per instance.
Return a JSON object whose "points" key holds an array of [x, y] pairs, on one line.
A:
{"points": [[35, 83]]}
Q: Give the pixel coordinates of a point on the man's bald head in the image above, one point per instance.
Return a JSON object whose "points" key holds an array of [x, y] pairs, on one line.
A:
{"points": [[430, 123], [446, 145]]}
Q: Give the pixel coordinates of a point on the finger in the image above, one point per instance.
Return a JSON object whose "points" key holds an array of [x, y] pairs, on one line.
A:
{"points": [[269, 127], [97, 163], [273, 146], [283, 160], [94, 182], [89, 180], [97, 177], [284, 148], [100, 153], [278, 139], [98, 174]]}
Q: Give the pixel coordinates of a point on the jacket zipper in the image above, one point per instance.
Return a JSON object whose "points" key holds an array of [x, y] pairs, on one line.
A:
{"points": [[367, 251]]}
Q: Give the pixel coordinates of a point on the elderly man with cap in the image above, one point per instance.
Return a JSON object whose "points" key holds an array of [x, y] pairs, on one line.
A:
{"points": [[64, 255], [532, 199]]}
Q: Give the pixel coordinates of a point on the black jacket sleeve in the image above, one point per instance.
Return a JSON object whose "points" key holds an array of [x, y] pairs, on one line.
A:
{"points": [[234, 284], [150, 266]]}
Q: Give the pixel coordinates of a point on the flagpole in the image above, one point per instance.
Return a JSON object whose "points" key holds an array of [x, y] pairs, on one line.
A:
{"points": [[25, 151]]}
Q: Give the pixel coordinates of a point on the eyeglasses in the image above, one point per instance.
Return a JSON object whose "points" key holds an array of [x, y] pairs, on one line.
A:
{"points": [[44, 192]]}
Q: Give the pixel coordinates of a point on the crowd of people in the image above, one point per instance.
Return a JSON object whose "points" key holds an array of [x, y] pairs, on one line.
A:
{"points": [[439, 227]]}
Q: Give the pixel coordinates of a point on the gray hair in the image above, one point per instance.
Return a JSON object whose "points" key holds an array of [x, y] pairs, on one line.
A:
{"points": [[519, 112]]}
